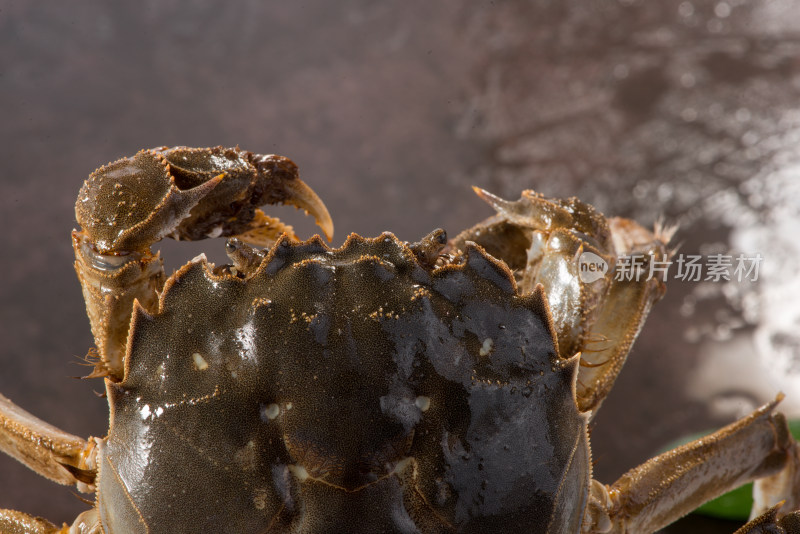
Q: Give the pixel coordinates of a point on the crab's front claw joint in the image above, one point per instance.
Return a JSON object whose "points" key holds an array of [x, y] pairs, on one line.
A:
{"points": [[184, 193], [571, 250]]}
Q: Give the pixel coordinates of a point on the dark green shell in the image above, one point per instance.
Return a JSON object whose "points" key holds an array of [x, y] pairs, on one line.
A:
{"points": [[345, 391]]}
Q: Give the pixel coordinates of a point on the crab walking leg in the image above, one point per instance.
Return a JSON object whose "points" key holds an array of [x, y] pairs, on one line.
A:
{"points": [[51, 452], [671, 485], [13, 522]]}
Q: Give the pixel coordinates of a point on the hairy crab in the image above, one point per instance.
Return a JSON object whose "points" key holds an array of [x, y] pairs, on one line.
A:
{"points": [[382, 386]]}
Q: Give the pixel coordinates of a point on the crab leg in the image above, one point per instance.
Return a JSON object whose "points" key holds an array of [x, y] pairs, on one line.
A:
{"points": [[13, 522], [671, 485], [51, 452], [183, 193]]}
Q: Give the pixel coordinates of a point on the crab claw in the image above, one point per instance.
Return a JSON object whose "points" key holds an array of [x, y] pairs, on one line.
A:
{"points": [[183, 193], [190, 194], [571, 250]]}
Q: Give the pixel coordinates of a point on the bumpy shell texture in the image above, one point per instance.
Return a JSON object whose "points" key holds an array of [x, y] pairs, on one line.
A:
{"points": [[349, 390]]}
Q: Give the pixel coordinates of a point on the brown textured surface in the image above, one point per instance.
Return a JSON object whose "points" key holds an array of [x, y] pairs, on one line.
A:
{"points": [[638, 108]]}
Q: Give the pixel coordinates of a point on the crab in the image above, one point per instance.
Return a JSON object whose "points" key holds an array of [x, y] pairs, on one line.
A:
{"points": [[431, 387]]}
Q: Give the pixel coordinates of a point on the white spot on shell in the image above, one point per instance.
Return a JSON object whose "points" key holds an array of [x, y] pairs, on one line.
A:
{"points": [[246, 337], [299, 471], [145, 411], [270, 412], [487, 346], [159, 411], [423, 403], [288, 405], [199, 362]]}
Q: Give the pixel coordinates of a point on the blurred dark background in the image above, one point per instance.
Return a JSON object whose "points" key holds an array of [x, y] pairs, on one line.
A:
{"points": [[687, 110]]}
